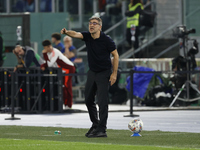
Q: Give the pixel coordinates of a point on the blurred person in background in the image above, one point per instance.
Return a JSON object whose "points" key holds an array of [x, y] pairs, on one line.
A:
{"points": [[133, 14], [113, 7], [2, 50], [56, 40], [54, 58], [71, 53], [45, 5], [24, 6], [102, 4], [110, 4], [27, 57], [30, 5], [70, 50]]}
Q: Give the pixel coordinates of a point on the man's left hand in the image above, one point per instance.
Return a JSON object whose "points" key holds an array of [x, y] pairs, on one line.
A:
{"points": [[113, 78]]}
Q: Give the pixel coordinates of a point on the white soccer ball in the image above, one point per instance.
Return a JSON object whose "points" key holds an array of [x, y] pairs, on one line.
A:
{"points": [[135, 125]]}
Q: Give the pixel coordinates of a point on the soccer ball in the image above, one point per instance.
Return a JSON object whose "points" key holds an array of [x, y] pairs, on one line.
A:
{"points": [[135, 125]]}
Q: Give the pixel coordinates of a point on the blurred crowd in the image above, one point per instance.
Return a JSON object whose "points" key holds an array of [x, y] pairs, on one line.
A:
{"points": [[108, 6]]}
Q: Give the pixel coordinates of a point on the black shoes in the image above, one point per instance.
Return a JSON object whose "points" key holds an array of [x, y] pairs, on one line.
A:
{"points": [[97, 133], [92, 129], [94, 132]]}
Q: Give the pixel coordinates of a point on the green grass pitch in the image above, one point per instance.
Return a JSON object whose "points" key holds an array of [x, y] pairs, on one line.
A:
{"points": [[43, 138]]}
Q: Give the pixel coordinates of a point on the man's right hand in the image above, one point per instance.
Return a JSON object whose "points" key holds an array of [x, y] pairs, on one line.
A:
{"points": [[72, 34], [63, 31]]}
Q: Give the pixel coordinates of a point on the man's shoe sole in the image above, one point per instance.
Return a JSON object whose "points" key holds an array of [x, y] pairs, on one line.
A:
{"points": [[96, 136]]}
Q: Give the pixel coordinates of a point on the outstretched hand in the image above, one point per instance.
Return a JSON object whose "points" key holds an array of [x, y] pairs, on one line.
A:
{"points": [[63, 31]]}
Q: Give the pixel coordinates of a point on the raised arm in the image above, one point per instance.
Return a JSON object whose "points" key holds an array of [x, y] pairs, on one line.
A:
{"points": [[71, 33]]}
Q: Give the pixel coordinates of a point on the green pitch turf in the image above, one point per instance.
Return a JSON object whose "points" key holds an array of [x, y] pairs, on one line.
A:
{"points": [[43, 138]]}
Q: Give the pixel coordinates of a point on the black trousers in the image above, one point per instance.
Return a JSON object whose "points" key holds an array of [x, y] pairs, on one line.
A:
{"points": [[128, 37], [98, 84]]}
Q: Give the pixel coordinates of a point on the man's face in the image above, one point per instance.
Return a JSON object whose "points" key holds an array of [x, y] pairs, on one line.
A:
{"points": [[48, 48], [68, 42], [19, 51], [94, 26], [53, 40]]}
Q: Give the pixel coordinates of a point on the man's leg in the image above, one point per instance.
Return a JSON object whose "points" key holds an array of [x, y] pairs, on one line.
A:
{"points": [[102, 80], [90, 91]]}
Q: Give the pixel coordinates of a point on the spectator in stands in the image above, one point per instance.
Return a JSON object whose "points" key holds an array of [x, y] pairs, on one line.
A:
{"points": [[113, 7], [110, 4], [102, 4], [45, 5], [19, 6], [133, 14], [70, 50], [2, 49], [27, 57], [24, 5], [54, 58], [71, 53], [56, 40], [30, 5]]}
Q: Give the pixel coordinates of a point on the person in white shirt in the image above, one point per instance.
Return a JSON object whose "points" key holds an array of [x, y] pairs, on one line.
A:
{"points": [[54, 58]]}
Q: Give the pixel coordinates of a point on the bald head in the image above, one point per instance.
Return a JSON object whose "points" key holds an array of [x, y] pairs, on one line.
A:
{"points": [[67, 41], [67, 37], [18, 46], [18, 50]]}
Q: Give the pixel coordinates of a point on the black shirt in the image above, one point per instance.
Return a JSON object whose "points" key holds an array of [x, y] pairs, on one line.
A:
{"points": [[99, 51]]}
